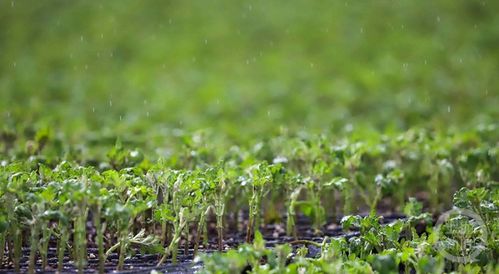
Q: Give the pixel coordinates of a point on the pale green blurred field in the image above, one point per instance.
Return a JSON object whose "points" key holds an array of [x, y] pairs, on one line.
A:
{"points": [[247, 68]]}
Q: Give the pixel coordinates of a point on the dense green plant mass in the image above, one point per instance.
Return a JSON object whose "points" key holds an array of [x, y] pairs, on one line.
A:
{"points": [[393, 248], [180, 127], [137, 204]]}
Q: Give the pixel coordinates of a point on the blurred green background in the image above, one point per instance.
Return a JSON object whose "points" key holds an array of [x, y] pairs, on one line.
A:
{"points": [[246, 69]]}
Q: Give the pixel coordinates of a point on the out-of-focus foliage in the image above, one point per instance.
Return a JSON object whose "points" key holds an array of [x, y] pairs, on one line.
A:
{"points": [[245, 68]]}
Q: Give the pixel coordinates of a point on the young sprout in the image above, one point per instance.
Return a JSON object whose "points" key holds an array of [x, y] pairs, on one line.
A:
{"points": [[133, 197], [185, 194], [295, 186], [260, 176]]}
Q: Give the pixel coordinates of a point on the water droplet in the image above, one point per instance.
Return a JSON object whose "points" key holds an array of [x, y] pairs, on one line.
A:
{"points": [[170, 21], [268, 113], [86, 67], [110, 103], [147, 114], [193, 59], [461, 60], [247, 61], [145, 102], [206, 41], [250, 7], [448, 109], [361, 30], [102, 35], [121, 118], [14, 64], [438, 19], [12, 3], [425, 61], [486, 92], [8, 113], [405, 66], [312, 65], [93, 109], [81, 38]]}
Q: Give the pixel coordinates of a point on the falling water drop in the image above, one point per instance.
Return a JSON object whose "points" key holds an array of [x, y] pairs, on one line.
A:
{"points": [[93, 109], [147, 114], [121, 117], [110, 103], [448, 109], [81, 38]]}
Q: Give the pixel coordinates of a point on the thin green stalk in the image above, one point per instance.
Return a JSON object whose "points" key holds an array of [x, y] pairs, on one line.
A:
{"points": [[46, 233], [172, 248], [219, 212], [123, 245], [2, 247], [100, 238], [32, 252], [81, 241], [18, 241], [186, 244], [197, 239], [163, 233], [61, 246]]}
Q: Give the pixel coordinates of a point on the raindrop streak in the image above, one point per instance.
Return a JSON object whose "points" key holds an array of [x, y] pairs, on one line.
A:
{"points": [[147, 114], [93, 109], [110, 103], [12, 3], [448, 109]]}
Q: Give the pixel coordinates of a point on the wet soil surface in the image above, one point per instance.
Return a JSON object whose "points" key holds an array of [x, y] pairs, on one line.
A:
{"points": [[273, 234]]}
